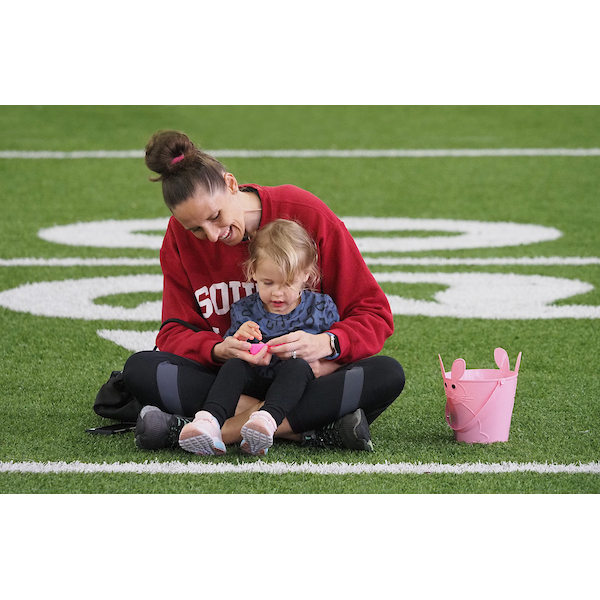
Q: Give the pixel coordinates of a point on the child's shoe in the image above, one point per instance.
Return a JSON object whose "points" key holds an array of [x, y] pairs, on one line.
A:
{"points": [[258, 433], [202, 435]]}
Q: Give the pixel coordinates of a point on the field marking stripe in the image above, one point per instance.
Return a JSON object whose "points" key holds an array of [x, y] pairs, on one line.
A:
{"points": [[281, 468], [79, 262], [483, 262], [383, 260], [355, 153]]}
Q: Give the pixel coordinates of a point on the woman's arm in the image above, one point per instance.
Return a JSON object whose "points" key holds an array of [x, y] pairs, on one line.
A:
{"points": [[179, 302], [366, 319]]}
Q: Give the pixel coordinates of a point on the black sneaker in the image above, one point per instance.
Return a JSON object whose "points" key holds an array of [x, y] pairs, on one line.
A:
{"points": [[156, 429], [350, 432]]}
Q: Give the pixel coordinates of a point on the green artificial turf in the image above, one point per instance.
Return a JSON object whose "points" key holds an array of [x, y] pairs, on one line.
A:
{"points": [[53, 367]]}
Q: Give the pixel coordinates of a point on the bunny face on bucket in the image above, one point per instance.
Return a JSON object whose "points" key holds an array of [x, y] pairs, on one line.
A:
{"points": [[454, 389], [455, 392]]}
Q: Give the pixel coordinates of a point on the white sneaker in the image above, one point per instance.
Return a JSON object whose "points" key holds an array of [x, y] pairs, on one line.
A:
{"points": [[202, 435], [258, 433]]}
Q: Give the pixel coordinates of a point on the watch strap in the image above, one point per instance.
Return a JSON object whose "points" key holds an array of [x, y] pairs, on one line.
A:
{"points": [[335, 346]]}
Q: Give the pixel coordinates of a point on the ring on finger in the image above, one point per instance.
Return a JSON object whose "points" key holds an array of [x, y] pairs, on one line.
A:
{"points": [[294, 354]]}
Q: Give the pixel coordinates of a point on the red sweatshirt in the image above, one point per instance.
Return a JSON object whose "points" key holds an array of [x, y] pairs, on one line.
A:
{"points": [[202, 279]]}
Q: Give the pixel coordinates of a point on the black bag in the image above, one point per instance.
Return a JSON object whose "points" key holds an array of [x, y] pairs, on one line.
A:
{"points": [[114, 401]]}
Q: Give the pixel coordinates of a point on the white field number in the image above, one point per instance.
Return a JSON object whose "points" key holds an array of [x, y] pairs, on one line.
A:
{"points": [[464, 294]]}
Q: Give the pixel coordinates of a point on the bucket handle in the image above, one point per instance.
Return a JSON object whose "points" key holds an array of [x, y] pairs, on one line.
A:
{"points": [[498, 384]]}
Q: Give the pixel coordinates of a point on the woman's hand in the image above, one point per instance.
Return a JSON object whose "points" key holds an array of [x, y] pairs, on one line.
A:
{"points": [[308, 346], [232, 348], [323, 367]]}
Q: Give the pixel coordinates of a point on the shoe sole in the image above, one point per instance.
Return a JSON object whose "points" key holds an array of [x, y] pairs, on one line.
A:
{"points": [[199, 443], [256, 440]]}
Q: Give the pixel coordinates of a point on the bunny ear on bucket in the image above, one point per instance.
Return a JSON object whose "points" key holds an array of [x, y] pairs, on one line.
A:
{"points": [[442, 366], [459, 366], [501, 358], [518, 363]]}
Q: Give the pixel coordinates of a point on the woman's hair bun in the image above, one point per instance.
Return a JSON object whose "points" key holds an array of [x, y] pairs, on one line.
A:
{"points": [[168, 151], [182, 167]]}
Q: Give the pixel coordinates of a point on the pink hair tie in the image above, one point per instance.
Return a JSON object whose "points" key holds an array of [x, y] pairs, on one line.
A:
{"points": [[178, 159]]}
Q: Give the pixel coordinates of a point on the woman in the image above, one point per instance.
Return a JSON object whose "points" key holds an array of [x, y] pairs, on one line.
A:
{"points": [[282, 260], [202, 259]]}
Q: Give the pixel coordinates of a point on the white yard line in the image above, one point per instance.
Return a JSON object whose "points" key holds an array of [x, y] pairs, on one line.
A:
{"points": [[281, 468], [79, 262], [543, 261], [305, 153]]}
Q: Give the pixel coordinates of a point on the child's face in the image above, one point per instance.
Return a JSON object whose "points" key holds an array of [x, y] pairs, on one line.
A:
{"points": [[277, 296]]}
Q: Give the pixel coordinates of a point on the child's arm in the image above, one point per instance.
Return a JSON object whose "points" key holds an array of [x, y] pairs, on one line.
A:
{"points": [[248, 331]]}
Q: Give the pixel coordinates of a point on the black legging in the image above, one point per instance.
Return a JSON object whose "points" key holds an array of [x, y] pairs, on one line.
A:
{"points": [[235, 378], [180, 386]]}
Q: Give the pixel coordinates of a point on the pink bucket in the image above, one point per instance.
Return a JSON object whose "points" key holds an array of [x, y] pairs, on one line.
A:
{"points": [[479, 402]]}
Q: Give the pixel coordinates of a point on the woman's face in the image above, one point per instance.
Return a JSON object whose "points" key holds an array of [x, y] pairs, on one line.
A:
{"points": [[217, 217]]}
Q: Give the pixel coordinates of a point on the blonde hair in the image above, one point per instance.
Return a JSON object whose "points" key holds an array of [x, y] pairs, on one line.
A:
{"points": [[289, 246]]}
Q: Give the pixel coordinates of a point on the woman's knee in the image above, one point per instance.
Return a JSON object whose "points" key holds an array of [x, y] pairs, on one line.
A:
{"points": [[386, 384], [139, 376], [384, 375], [137, 369], [392, 373]]}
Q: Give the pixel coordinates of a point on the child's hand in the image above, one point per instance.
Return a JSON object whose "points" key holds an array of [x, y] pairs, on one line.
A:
{"points": [[248, 331]]}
